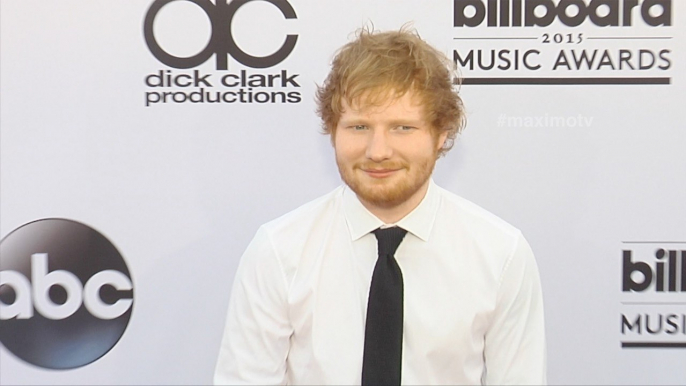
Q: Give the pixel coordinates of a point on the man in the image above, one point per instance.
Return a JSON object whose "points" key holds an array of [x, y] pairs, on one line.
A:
{"points": [[389, 279]]}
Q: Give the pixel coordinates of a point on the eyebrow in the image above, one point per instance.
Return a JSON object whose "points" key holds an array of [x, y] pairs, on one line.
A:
{"points": [[408, 122], [352, 121], [395, 122]]}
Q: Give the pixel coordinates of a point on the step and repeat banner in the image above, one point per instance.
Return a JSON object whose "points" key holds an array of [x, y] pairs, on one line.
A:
{"points": [[143, 143]]}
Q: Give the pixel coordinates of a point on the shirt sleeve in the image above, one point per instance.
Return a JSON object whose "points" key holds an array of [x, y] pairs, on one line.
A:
{"points": [[256, 337], [515, 352]]}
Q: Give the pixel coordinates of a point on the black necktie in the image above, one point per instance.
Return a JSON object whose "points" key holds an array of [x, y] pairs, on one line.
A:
{"points": [[383, 337]]}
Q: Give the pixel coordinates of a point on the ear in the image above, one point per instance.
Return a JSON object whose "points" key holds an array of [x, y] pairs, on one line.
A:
{"points": [[332, 135], [333, 131], [440, 140]]}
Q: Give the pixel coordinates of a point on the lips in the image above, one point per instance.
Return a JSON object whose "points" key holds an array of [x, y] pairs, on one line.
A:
{"points": [[380, 173]]}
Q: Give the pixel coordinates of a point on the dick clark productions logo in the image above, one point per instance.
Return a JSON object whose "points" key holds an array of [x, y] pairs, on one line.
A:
{"points": [[240, 86], [66, 294]]}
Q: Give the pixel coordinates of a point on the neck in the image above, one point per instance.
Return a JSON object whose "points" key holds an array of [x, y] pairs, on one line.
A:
{"points": [[395, 213]]}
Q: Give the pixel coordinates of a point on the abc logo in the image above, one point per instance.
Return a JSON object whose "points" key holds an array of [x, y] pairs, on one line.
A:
{"points": [[66, 294], [221, 43]]}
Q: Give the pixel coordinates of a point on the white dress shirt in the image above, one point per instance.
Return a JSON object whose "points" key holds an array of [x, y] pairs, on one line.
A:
{"points": [[473, 305]]}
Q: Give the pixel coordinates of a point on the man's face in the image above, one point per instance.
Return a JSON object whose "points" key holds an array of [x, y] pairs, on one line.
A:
{"points": [[386, 153]]}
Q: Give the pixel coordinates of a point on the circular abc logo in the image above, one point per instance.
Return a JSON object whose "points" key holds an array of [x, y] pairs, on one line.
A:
{"points": [[66, 294], [221, 42]]}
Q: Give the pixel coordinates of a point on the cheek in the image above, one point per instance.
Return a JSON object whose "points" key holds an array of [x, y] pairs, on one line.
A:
{"points": [[419, 149], [348, 146]]}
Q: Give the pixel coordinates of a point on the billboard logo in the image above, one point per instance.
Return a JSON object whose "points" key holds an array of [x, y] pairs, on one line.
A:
{"points": [[587, 51], [66, 294], [221, 43], [665, 276], [653, 283], [602, 13]]}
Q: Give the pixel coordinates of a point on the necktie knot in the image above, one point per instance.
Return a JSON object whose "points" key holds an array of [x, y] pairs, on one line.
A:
{"points": [[389, 239]]}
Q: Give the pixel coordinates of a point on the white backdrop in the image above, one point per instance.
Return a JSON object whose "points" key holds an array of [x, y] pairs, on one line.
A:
{"points": [[584, 170]]}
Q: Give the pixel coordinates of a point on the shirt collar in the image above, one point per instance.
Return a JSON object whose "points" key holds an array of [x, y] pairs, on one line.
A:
{"points": [[418, 222]]}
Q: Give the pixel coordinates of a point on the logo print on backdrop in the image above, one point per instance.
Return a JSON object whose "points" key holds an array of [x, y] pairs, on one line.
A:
{"points": [[246, 86], [563, 41], [653, 287], [506, 11], [66, 294], [221, 41]]}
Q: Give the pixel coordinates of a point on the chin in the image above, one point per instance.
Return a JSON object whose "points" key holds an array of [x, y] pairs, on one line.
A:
{"points": [[384, 196]]}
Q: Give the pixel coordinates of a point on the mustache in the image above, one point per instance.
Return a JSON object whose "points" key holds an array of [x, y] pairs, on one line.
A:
{"points": [[380, 165]]}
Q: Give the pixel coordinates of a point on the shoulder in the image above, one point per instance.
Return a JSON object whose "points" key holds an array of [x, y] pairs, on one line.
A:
{"points": [[460, 210], [287, 238], [495, 240], [303, 218]]}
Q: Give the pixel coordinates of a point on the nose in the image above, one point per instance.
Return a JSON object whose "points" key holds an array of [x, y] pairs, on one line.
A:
{"points": [[378, 146]]}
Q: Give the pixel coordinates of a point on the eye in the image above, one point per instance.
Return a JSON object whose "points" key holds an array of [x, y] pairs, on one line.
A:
{"points": [[359, 127], [405, 128]]}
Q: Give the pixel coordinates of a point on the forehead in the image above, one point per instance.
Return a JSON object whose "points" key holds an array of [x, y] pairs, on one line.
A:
{"points": [[384, 104]]}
